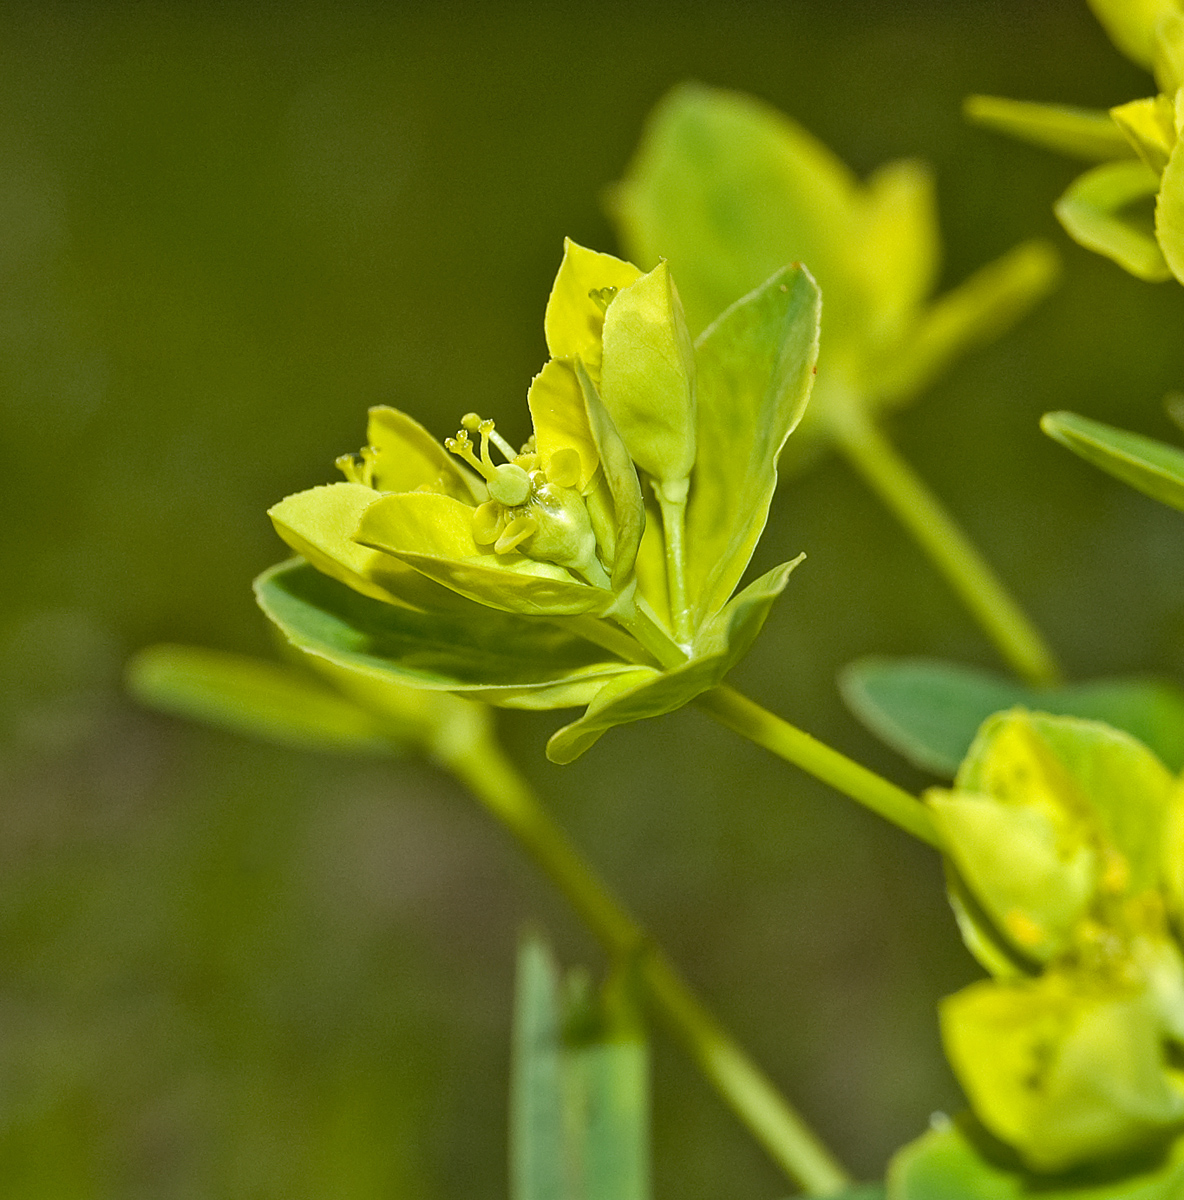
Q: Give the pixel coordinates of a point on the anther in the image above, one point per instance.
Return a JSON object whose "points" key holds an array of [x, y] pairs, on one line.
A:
{"points": [[603, 297]]}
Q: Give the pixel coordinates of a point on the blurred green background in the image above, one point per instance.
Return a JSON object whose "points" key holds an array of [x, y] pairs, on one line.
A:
{"points": [[225, 230]]}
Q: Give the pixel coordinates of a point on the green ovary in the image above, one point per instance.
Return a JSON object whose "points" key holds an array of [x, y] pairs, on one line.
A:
{"points": [[530, 511]]}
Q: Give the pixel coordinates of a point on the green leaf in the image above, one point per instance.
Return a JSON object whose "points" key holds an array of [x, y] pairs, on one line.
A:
{"points": [[404, 456], [961, 1162], [1169, 208], [1092, 213], [538, 1149], [1131, 24], [648, 376], [930, 711], [1062, 1068], [579, 1113], [1081, 132], [514, 662], [729, 190], [254, 697], [974, 313], [1151, 466], [644, 692], [756, 367]]}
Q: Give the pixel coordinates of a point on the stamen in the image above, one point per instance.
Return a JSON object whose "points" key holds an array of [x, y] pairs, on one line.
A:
{"points": [[463, 448], [515, 533]]}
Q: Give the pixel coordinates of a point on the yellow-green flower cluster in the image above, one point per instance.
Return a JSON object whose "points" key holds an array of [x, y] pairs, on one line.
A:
{"points": [[1064, 840], [595, 564]]}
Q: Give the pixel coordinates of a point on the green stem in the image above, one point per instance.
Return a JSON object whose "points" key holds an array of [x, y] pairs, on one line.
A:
{"points": [[641, 624], [747, 1090], [952, 552], [873, 791], [674, 513]]}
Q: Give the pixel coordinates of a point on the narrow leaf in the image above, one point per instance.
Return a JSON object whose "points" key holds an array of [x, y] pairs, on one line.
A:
{"points": [[1131, 24], [254, 697], [538, 1158], [1151, 466], [1092, 213], [1081, 132]]}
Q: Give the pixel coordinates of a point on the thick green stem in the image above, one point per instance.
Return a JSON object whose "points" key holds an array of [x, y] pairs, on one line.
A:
{"points": [[752, 1097], [952, 552], [873, 791]]}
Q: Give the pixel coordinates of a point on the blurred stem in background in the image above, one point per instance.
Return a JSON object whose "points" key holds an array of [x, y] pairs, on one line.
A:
{"points": [[910, 500], [495, 782]]}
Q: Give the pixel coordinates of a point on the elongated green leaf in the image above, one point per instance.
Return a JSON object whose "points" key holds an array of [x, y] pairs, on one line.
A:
{"points": [[1152, 467], [515, 662], [538, 1148], [756, 367], [644, 693], [254, 697], [930, 711], [974, 313], [1081, 132], [1092, 212], [961, 1162], [579, 1119], [1169, 208], [729, 190], [1150, 127]]}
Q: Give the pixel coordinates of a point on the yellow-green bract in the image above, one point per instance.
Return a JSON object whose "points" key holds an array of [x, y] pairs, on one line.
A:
{"points": [[1063, 839], [1138, 143], [594, 565]]}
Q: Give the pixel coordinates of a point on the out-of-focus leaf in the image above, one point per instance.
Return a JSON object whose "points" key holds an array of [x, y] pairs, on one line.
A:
{"points": [[1081, 132], [730, 190], [579, 1114], [1131, 24], [1169, 208], [756, 366], [254, 697], [538, 1150], [644, 693], [1091, 210], [961, 1162], [1151, 466], [648, 376], [974, 313], [510, 661], [930, 711]]}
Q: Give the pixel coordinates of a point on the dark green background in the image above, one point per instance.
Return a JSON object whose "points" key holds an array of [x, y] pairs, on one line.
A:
{"points": [[225, 230]]}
